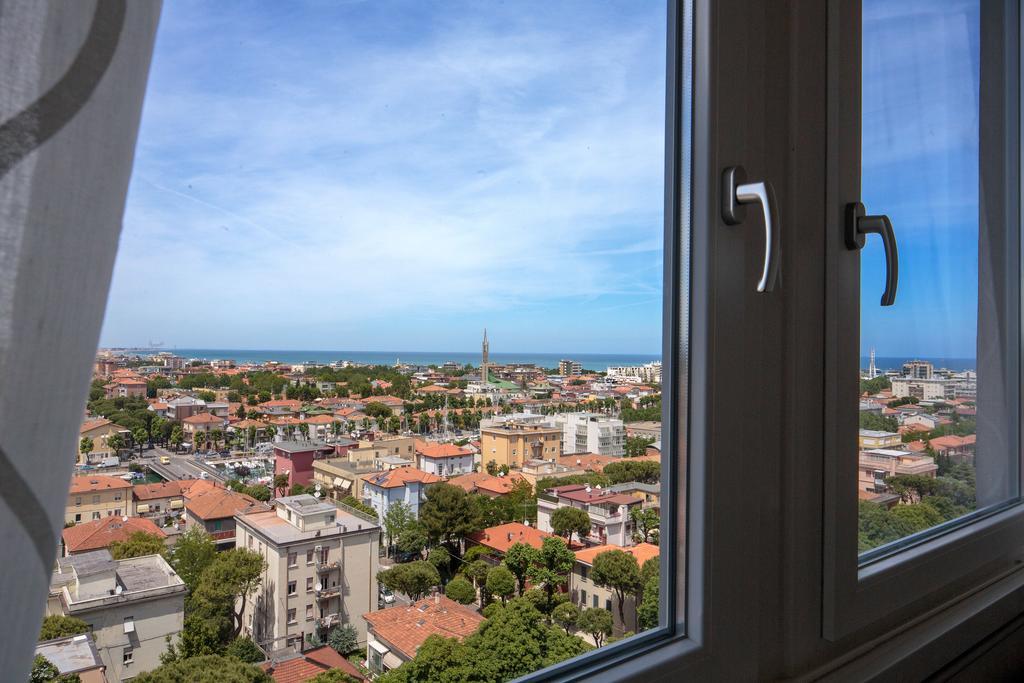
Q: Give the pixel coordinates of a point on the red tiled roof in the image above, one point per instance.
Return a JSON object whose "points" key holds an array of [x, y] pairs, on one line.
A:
{"points": [[97, 482], [218, 504], [204, 418], [504, 536], [399, 476], [406, 627], [101, 533], [588, 461], [440, 450], [167, 489], [642, 552], [482, 481]]}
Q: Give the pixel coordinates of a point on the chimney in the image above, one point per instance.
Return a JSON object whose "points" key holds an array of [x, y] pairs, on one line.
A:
{"points": [[437, 598]]}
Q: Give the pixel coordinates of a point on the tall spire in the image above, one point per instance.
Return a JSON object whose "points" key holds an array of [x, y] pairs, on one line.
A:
{"points": [[485, 359]]}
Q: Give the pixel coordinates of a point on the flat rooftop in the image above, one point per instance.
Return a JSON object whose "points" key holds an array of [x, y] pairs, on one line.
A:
{"points": [[282, 532], [71, 654]]}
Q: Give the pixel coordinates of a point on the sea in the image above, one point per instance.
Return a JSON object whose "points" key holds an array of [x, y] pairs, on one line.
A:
{"points": [[590, 361], [883, 363]]}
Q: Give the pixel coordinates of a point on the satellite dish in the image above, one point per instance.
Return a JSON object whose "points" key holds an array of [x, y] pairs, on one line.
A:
{"points": [[317, 487], [319, 587], [317, 494]]}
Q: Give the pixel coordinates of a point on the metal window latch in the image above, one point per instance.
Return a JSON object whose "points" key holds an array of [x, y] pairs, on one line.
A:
{"points": [[736, 192], [858, 226]]}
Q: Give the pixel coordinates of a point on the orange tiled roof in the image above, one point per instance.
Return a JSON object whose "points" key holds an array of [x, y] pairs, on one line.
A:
{"points": [[400, 476], [97, 482], [588, 461], [642, 552], [321, 420], [440, 450], [481, 480], [406, 627], [218, 504], [165, 489], [204, 418], [101, 533], [90, 425], [504, 536]]}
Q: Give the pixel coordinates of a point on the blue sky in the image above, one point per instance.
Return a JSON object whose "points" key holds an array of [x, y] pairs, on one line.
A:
{"points": [[398, 175], [920, 166]]}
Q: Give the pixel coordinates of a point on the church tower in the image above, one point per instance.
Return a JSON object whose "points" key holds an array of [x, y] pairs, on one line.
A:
{"points": [[485, 362]]}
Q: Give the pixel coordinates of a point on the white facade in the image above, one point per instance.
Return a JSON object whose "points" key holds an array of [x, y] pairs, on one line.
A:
{"points": [[591, 433], [649, 372], [447, 466], [380, 498]]}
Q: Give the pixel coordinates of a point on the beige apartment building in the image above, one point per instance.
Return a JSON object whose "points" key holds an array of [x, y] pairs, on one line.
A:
{"points": [[872, 438], [97, 496], [585, 593], [513, 443], [99, 430], [875, 465], [132, 606], [322, 564], [401, 446]]}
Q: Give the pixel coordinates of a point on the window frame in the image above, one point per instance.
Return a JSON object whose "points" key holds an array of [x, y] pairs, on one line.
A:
{"points": [[860, 599]]}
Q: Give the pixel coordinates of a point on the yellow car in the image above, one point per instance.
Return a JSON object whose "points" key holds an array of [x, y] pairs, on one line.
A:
{"points": [[164, 460]]}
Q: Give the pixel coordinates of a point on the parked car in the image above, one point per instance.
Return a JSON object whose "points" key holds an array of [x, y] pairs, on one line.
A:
{"points": [[164, 460], [387, 597]]}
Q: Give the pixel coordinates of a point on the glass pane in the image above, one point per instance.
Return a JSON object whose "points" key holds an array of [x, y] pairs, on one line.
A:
{"points": [[938, 397], [463, 203]]}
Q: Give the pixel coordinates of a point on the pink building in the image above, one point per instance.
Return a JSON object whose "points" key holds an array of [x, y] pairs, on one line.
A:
{"points": [[295, 458]]}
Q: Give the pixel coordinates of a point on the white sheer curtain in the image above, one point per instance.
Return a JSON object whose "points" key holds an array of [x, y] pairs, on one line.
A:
{"points": [[72, 80]]}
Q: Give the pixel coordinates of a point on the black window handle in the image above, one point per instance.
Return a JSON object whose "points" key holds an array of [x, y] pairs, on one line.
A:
{"points": [[858, 226]]}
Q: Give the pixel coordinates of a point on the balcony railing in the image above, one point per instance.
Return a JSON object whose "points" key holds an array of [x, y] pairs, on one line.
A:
{"points": [[328, 592], [327, 566]]}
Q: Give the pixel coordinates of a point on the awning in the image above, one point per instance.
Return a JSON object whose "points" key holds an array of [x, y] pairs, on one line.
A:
{"points": [[339, 482], [378, 647], [176, 505], [142, 508], [346, 484], [392, 661]]}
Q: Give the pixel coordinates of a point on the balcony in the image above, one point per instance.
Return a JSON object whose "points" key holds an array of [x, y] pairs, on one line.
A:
{"points": [[328, 592], [599, 513], [329, 621], [324, 567]]}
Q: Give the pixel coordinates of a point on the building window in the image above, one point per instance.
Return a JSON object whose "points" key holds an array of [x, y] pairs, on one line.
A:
{"points": [[291, 588], [129, 624], [293, 559], [309, 584], [248, 542], [595, 601], [309, 557], [78, 500], [78, 516], [96, 515], [216, 525], [127, 656], [291, 616], [309, 612], [608, 604], [584, 569], [95, 499], [583, 598]]}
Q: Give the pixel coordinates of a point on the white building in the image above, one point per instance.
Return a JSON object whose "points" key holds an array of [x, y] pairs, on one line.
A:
{"points": [[925, 389], [648, 372], [400, 485], [591, 433], [131, 606]]}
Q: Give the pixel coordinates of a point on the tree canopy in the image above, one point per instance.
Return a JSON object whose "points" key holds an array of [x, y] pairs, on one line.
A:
{"points": [[57, 626], [460, 590], [192, 554], [619, 572], [519, 559], [447, 513], [596, 622], [205, 669], [566, 521], [137, 544], [414, 579], [501, 583]]}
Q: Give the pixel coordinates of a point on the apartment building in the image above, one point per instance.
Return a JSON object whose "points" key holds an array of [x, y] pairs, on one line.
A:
{"points": [[321, 569], [295, 458], [125, 387], [570, 368], [400, 485], [131, 606], [873, 438], [202, 423], [591, 433], [215, 511], [96, 496], [403, 447], [875, 465], [648, 372], [933, 389], [585, 593], [101, 533], [609, 511], [443, 459], [99, 430], [513, 443]]}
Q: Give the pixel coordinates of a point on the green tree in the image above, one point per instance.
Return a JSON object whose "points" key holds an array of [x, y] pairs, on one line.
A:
{"points": [[414, 579], [646, 523], [304, 431], [245, 649], [566, 615], [57, 626], [232, 576], [441, 559], [397, 519], [501, 583], [556, 561], [139, 436], [647, 611], [413, 539], [137, 544], [476, 571], [566, 521], [281, 484], [637, 445], [343, 639], [596, 622], [333, 676], [519, 559], [177, 437], [881, 423], [193, 553], [216, 435], [460, 590], [619, 572], [85, 445], [644, 471], [205, 669], [115, 442], [45, 671], [447, 513]]}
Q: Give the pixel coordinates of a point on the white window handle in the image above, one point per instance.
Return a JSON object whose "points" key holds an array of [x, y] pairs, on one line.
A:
{"points": [[736, 192]]}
